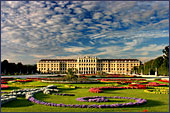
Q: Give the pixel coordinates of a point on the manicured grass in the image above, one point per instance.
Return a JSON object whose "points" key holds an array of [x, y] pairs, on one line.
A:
{"points": [[155, 102]]}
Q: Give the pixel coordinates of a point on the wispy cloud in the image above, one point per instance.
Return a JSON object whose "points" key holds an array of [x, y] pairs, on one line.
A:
{"points": [[152, 47], [66, 28], [77, 49]]}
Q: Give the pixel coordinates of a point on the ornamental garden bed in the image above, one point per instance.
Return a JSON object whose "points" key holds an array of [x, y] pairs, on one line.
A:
{"points": [[138, 102], [62, 99], [70, 82], [158, 90], [4, 86], [100, 89], [167, 81]]}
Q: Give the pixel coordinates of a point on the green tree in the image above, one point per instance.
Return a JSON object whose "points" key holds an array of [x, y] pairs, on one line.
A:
{"points": [[166, 52], [71, 75]]}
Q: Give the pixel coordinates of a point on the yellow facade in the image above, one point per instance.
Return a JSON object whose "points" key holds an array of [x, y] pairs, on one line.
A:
{"points": [[88, 65]]}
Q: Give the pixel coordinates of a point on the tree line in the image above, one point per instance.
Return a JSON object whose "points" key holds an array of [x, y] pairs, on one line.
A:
{"points": [[17, 69], [160, 65]]}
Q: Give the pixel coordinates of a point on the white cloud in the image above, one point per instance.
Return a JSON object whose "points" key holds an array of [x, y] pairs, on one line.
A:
{"points": [[41, 56], [77, 49], [152, 47], [35, 27], [97, 15]]}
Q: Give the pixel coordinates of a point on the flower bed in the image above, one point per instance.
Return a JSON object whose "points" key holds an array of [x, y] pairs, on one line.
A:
{"points": [[24, 92], [4, 86], [3, 82], [95, 90], [93, 99], [70, 86], [138, 85], [117, 75], [147, 85], [155, 84], [122, 79], [64, 94], [100, 89], [28, 85], [70, 82], [167, 81], [27, 80], [138, 102], [158, 90]]}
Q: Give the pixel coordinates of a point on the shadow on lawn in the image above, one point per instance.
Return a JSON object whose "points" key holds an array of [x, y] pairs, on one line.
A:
{"points": [[18, 103], [41, 96], [150, 103], [11, 88]]}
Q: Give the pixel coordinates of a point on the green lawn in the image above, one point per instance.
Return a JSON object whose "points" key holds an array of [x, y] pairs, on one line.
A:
{"points": [[155, 102]]}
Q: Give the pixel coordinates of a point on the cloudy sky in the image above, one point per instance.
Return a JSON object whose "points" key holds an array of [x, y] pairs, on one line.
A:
{"points": [[35, 30]]}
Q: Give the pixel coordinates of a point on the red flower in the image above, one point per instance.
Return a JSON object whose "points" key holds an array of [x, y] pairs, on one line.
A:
{"points": [[145, 110]]}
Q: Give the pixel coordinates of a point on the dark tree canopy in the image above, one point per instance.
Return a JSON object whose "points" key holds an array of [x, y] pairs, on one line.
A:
{"points": [[159, 64], [8, 68], [166, 52]]}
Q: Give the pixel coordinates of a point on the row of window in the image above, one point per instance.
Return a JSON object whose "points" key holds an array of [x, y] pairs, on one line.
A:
{"points": [[89, 60], [72, 65], [87, 64], [50, 69], [53, 69], [87, 69], [86, 60], [83, 64], [100, 69]]}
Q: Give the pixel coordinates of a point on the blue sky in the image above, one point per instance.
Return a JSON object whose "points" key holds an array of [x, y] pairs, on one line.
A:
{"points": [[35, 30]]}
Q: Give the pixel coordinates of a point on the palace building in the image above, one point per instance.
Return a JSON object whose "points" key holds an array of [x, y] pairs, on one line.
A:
{"points": [[88, 65]]}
